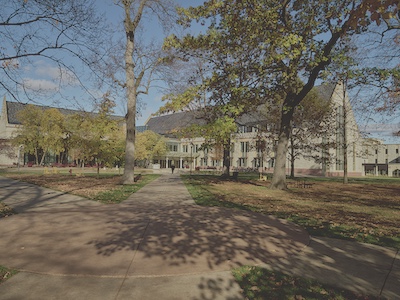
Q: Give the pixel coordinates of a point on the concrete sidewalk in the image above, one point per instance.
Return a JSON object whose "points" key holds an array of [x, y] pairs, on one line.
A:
{"points": [[159, 245]]}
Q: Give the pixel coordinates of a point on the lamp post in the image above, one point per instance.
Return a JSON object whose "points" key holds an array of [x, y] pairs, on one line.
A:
{"points": [[191, 157]]}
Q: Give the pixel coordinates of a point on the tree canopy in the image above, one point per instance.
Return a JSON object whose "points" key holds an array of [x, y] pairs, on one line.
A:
{"points": [[149, 145], [270, 50], [84, 136], [133, 65]]}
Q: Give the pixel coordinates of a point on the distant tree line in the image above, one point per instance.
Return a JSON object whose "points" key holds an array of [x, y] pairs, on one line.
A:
{"points": [[82, 137]]}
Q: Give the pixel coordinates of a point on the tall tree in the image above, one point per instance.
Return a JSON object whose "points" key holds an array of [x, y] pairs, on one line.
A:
{"points": [[273, 49], [211, 102], [140, 61]]}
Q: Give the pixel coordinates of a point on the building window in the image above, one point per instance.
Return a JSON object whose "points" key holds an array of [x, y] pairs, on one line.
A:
{"points": [[216, 163], [339, 164], [257, 163], [245, 129], [185, 148], [173, 147], [386, 151], [397, 151], [376, 161], [271, 163], [242, 162], [244, 147], [376, 151]]}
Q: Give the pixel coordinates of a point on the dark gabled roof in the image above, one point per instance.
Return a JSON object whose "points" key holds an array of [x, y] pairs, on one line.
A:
{"points": [[170, 124], [14, 107], [252, 118], [325, 91]]}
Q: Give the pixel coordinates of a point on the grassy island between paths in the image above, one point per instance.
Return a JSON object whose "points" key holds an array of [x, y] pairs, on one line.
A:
{"points": [[364, 210]]}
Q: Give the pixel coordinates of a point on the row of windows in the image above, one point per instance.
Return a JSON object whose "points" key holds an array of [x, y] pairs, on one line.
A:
{"points": [[397, 160], [386, 151], [244, 147], [241, 162], [245, 129], [185, 148]]}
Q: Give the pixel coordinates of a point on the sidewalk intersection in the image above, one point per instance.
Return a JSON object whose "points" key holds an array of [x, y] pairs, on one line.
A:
{"points": [[159, 245]]}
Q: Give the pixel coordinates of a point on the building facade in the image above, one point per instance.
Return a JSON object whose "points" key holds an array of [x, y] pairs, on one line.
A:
{"points": [[381, 159], [252, 147], [9, 125], [342, 136]]}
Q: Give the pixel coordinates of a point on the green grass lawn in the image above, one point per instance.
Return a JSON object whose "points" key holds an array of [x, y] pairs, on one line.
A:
{"points": [[6, 273], [260, 284], [122, 192]]}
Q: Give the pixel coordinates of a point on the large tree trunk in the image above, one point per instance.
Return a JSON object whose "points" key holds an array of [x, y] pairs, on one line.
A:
{"points": [[42, 159], [292, 157], [279, 176], [129, 175], [131, 85], [344, 132], [227, 159], [36, 156]]}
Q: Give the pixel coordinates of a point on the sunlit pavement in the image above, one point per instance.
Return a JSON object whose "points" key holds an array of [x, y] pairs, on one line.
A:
{"points": [[159, 245]]}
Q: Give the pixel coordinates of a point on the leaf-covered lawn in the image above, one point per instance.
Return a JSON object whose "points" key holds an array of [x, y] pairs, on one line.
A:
{"points": [[106, 188], [365, 211]]}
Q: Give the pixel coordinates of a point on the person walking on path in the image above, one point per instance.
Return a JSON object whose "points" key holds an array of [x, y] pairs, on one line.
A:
{"points": [[172, 168]]}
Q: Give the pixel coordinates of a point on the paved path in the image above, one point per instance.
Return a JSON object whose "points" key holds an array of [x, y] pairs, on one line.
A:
{"points": [[159, 245]]}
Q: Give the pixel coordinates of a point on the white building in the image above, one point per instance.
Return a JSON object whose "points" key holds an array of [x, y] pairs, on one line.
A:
{"points": [[9, 154], [381, 159], [245, 155]]}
